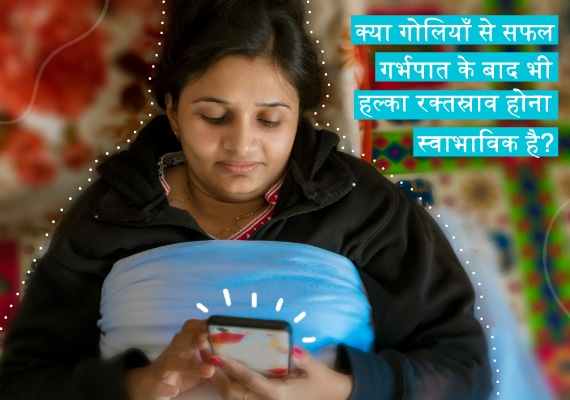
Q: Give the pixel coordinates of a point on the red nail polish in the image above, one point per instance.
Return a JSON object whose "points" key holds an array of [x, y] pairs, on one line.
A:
{"points": [[297, 352], [216, 361], [208, 380], [202, 354]]}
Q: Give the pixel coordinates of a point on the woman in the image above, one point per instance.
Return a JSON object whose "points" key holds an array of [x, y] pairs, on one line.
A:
{"points": [[234, 159]]}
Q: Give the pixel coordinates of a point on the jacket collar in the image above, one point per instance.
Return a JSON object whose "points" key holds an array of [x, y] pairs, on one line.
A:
{"points": [[317, 175]]}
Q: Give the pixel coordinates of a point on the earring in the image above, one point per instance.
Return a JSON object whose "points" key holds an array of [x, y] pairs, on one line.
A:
{"points": [[176, 134]]}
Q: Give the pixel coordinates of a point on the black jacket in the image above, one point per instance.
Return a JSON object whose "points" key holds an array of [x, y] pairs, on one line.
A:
{"points": [[428, 344]]}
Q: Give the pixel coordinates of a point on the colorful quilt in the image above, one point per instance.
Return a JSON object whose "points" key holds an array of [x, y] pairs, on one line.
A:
{"points": [[522, 203]]}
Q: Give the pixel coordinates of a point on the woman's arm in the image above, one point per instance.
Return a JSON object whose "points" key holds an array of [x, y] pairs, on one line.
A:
{"points": [[428, 343], [51, 350], [52, 347]]}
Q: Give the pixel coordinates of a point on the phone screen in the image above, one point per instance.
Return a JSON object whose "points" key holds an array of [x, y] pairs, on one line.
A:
{"points": [[261, 345]]}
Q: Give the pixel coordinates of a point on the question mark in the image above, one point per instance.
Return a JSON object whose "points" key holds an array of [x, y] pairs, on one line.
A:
{"points": [[549, 142]]}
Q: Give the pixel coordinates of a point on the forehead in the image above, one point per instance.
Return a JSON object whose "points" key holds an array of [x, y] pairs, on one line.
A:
{"points": [[243, 79]]}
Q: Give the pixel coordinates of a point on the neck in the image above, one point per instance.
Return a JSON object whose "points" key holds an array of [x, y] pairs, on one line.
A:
{"points": [[218, 209]]}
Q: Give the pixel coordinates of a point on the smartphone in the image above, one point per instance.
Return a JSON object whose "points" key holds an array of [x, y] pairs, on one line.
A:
{"points": [[262, 345]]}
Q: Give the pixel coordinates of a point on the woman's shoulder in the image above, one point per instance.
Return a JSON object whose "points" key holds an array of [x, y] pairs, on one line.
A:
{"points": [[368, 179], [83, 209], [78, 225]]}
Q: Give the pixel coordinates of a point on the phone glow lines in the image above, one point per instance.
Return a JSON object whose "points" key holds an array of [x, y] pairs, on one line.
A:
{"points": [[228, 300]]}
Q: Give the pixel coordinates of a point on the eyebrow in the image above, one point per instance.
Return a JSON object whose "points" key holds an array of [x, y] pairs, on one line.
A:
{"points": [[209, 99]]}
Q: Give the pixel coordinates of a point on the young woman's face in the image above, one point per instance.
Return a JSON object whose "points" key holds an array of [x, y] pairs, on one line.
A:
{"points": [[236, 124]]}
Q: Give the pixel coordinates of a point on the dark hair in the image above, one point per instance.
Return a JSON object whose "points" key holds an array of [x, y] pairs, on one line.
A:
{"points": [[201, 32]]}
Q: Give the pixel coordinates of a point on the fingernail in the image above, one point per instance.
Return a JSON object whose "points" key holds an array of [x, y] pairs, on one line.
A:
{"points": [[202, 354], [216, 361], [208, 380], [297, 352]]}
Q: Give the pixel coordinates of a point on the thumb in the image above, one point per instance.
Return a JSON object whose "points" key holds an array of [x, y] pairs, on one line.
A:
{"points": [[304, 360]]}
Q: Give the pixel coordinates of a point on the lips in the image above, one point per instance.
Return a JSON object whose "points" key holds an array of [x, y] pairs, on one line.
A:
{"points": [[239, 167]]}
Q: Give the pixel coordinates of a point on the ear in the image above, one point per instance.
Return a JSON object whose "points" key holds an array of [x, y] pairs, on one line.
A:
{"points": [[171, 112]]}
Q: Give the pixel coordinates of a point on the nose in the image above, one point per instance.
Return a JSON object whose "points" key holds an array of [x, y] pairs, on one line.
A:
{"points": [[240, 137]]}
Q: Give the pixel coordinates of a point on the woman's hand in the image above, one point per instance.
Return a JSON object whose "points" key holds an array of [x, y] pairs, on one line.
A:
{"points": [[178, 369], [311, 379]]}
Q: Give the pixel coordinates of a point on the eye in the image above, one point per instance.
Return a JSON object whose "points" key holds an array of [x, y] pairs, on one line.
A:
{"points": [[214, 121], [269, 124]]}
